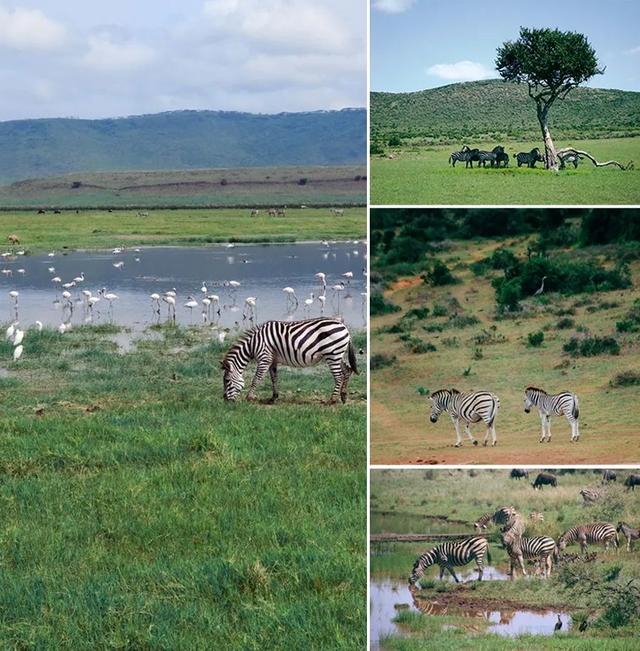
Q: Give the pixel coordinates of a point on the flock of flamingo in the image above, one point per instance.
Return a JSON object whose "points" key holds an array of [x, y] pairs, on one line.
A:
{"points": [[71, 294]]}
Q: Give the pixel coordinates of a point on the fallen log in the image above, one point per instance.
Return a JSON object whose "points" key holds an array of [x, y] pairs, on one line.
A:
{"points": [[578, 152]]}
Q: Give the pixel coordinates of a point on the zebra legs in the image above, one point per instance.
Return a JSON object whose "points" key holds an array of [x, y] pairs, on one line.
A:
{"points": [[467, 430], [336, 367], [546, 427], [453, 574], [491, 429], [273, 373], [264, 363], [575, 433]]}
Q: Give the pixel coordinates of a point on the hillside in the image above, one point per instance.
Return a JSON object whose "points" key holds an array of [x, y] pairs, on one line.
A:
{"points": [[496, 108], [180, 140]]}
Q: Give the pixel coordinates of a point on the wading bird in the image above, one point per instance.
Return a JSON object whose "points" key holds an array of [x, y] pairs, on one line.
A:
{"points": [[291, 296], [541, 288]]}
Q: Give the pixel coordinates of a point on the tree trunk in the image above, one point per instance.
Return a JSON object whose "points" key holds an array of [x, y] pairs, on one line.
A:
{"points": [[550, 156]]}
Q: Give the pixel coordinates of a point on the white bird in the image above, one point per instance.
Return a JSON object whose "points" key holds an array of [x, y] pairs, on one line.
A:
{"points": [[80, 278], [348, 275], [541, 288], [56, 279], [116, 251], [191, 303], [66, 294], [215, 302], [155, 302], [17, 353], [204, 289], [323, 280], [250, 308], [87, 294], [171, 304], [51, 270], [291, 295], [7, 272], [22, 271], [11, 331], [92, 300], [20, 252], [39, 326], [206, 304], [62, 328], [69, 285], [221, 336], [18, 337], [51, 254], [118, 265], [171, 292], [231, 246], [14, 295]]}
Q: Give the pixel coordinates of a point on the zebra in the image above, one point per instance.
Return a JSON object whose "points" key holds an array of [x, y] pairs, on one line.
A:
{"points": [[468, 408], [290, 343], [596, 533], [452, 554], [482, 522], [553, 405], [495, 156], [543, 549], [590, 495], [629, 533], [529, 158], [569, 158], [465, 154]]}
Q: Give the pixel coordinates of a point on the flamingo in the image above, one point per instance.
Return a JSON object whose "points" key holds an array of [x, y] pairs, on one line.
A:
{"points": [[80, 278], [336, 292], [155, 302], [348, 275], [323, 280], [22, 271], [51, 270], [17, 353], [206, 309], [291, 296], [118, 265], [7, 272], [322, 298], [250, 310], [204, 289], [215, 302], [308, 302], [191, 303], [171, 304]]}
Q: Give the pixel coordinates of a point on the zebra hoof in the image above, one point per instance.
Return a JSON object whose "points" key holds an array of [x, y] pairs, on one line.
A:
{"points": [[493, 445], [475, 442], [458, 445], [484, 444]]}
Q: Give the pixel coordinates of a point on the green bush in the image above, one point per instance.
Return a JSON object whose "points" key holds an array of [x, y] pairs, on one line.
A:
{"points": [[535, 339], [565, 323], [626, 379], [395, 141], [381, 360], [378, 305], [508, 293], [439, 310], [462, 321], [439, 275], [592, 346]]}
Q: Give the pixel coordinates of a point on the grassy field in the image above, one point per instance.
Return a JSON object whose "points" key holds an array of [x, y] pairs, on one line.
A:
{"points": [[421, 175], [140, 511], [104, 229], [254, 186], [477, 348], [400, 502]]}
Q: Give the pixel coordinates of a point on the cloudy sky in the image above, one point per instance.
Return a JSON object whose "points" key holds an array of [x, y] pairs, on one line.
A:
{"points": [[418, 44], [118, 57]]}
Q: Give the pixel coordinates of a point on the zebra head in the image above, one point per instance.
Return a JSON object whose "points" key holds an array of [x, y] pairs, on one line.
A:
{"points": [[563, 541], [439, 401], [232, 379], [530, 398], [426, 560]]}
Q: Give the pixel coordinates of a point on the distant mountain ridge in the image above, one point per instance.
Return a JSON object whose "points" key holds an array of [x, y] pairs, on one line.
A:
{"points": [[180, 140], [493, 107]]}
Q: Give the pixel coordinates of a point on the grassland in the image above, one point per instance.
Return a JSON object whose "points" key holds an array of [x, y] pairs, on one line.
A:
{"points": [[140, 511], [227, 187], [105, 229], [400, 500], [421, 175], [478, 348]]}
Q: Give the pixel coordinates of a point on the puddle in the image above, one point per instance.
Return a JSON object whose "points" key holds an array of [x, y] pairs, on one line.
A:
{"points": [[389, 598]]}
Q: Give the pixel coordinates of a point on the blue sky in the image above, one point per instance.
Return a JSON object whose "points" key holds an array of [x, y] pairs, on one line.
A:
{"points": [[83, 58], [418, 44]]}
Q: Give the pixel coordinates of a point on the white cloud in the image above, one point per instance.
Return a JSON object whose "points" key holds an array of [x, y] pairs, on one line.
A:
{"points": [[461, 71], [108, 55], [634, 50], [29, 29], [283, 25], [393, 6]]}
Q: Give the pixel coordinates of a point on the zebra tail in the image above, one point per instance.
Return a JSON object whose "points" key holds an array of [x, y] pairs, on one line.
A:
{"points": [[576, 409], [488, 555], [352, 359]]}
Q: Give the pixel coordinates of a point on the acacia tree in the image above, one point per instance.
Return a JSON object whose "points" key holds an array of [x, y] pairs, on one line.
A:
{"points": [[551, 63]]}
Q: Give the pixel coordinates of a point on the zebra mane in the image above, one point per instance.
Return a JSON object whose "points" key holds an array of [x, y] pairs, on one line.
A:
{"points": [[536, 389], [238, 343]]}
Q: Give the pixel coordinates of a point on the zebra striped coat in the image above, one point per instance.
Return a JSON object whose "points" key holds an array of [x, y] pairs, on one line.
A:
{"points": [[569, 158], [542, 548], [449, 555], [466, 408], [597, 533], [290, 343], [496, 156], [529, 158], [629, 533], [564, 403], [590, 495], [465, 155]]}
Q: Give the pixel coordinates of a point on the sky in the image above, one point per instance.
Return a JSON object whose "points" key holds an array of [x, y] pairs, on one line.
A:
{"points": [[418, 44], [77, 58]]}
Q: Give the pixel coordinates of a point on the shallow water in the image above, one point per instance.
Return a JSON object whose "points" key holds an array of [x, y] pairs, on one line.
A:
{"points": [[262, 271], [388, 598]]}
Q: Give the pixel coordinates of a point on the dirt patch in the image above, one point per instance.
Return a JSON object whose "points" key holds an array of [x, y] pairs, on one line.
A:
{"points": [[405, 283]]}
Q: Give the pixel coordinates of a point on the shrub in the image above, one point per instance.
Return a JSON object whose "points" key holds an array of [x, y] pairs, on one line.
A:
{"points": [[381, 360], [379, 305], [626, 379], [440, 310], [592, 346], [462, 321], [417, 313], [439, 275], [535, 339], [416, 345], [376, 148], [302, 181], [394, 141], [631, 321], [224, 182], [508, 293], [565, 323]]}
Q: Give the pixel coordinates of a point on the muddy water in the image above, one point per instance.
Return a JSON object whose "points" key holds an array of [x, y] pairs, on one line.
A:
{"points": [[262, 271], [389, 598]]}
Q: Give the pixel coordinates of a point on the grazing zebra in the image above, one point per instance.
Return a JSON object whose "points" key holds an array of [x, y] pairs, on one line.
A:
{"points": [[495, 156], [468, 408], [529, 158], [553, 405], [291, 343], [629, 533], [597, 533], [449, 555], [545, 479], [482, 522], [590, 495], [465, 155], [539, 548], [569, 158]]}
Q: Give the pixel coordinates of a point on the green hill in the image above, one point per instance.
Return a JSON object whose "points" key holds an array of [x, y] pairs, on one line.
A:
{"points": [[495, 108], [180, 140]]}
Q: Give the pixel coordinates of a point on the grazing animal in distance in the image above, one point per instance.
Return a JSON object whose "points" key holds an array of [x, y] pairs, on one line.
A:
{"points": [[449, 555], [13, 239], [529, 158], [632, 481], [569, 158], [590, 495], [290, 343], [465, 155], [609, 475], [545, 479], [495, 156], [466, 407], [597, 533], [629, 533], [519, 473], [563, 403]]}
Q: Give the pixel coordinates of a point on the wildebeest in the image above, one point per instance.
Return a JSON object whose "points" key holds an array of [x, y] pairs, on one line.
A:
{"points": [[529, 158], [632, 481], [519, 473], [545, 479], [629, 533], [609, 475]]}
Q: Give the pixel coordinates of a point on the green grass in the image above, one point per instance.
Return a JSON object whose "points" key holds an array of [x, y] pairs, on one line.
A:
{"points": [[140, 511], [103, 229], [400, 498], [422, 175], [494, 354]]}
